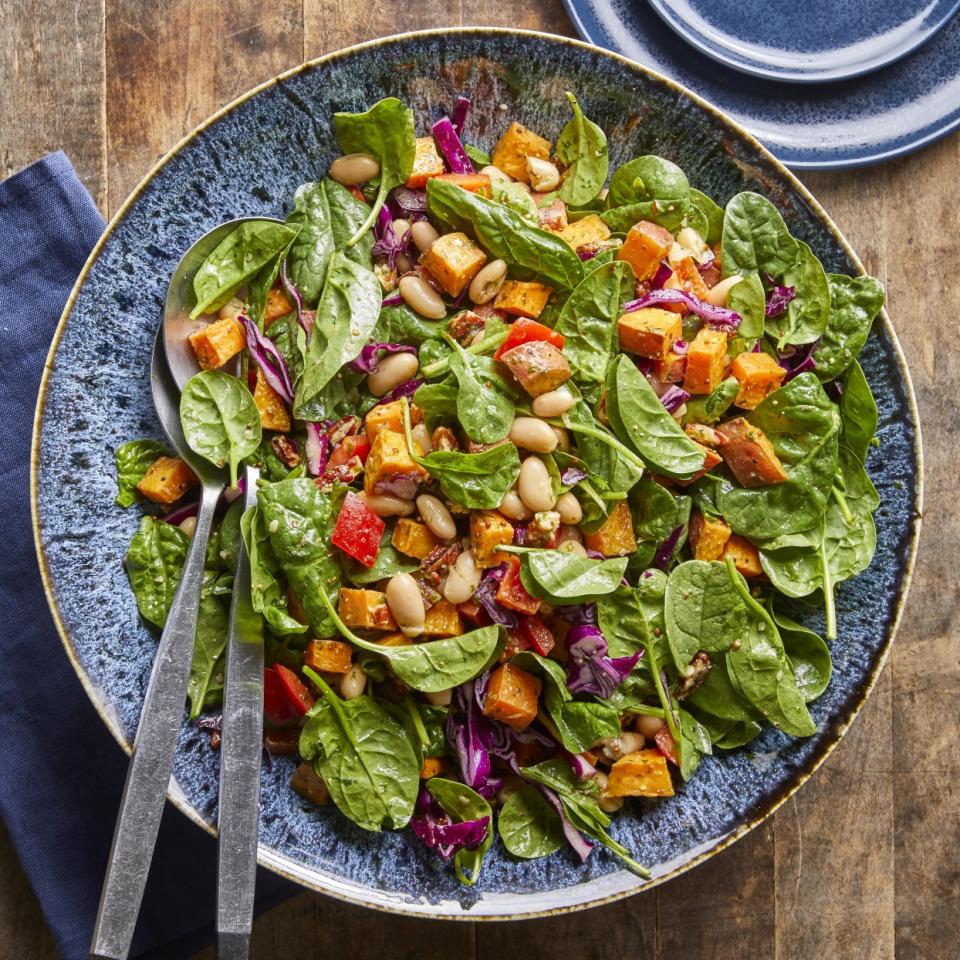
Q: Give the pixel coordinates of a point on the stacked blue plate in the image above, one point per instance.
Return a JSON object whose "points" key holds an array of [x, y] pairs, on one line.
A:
{"points": [[823, 85]]}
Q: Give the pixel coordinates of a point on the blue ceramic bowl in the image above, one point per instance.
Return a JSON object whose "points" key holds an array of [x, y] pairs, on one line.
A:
{"points": [[249, 159]]}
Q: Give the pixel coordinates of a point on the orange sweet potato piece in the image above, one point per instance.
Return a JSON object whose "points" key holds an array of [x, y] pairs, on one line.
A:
{"points": [[671, 368], [706, 361], [412, 538], [389, 416], [218, 342], [273, 411], [512, 696], [758, 375], [454, 260], [649, 332], [167, 479], [708, 536], [442, 620], [689, 279], [512, 149], [472, 182], [488, 531], [277, 306], [643, 773], [365, 609], [433, 767], [522, 299], [749, 454], [615, 537], [538, 366], [710, 459], [746, 557], [328, 656], [427, 163], [646, 245]]}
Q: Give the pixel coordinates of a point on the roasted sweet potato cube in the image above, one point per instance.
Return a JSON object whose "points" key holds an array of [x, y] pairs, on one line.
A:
{"points": [[671, 369], [218, 342], [758, 375], [512, 149], [413, 538], [307, 782], [643, 773], [442, 620], [488, 531], [706, 362], [522, 299], [433, 767], [328, 656], [538, 366], [688, 277], [273, 411], [454, 259], [395, 640], [365, 609], [646, 245], [746, 557], [277, 306], [749, 454], [708, 536], [512, 697], [588, 230], [471, 182], [615, 537], [427, 163], [649, 332], [167, 479], [710, 459], [389, 416], [389, 468]]}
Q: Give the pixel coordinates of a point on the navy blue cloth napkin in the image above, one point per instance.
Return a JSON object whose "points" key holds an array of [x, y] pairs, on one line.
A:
{"points": [[61, 773]]}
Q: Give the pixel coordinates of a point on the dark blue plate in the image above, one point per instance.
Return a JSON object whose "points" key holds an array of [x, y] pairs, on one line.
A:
{"points": [[849, 123], [819, 41], [248, 160]]}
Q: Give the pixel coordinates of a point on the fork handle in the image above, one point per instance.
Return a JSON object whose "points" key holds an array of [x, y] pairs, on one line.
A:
{"points": [[154, 747]]}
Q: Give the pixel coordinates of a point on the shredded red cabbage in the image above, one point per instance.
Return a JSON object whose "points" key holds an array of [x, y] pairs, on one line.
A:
{"points": [[451, 147], [394, 300], [666, 549], [318, 448], [408, 202], [519, 535], [572, 476], [486, 594], [388, 244], [680, 348], [780, 297], [674, 398], [581, 844], [406, 389], [460, 111], [719, 318], [663, 274], [587, 253], [799, 360], [580, 765], [644, 365], [369, 359], [177, 516], [432, 825], [294, 293], [269, 359], [589, 669]]}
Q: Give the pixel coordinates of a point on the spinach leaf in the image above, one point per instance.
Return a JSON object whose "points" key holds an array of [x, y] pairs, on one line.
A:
{"points": [[208, 664], [641, 421], [588, 322], [711, 408], [729, 734], [513, 196], [854, 304], [802, 425], [712, 214], [346, 316], [220, 421], [582, 149], [694, 743], [564, 578], [858, 411], [656, 511], [235, 260], [632, 617], [258, 288], [485, 401], [133, 460], [808, 654], [533, 254], [328, 215], [460, 803], [748, 299], [154, 562], [389, 561], [437, 401], [647, 188], [385, 132], [228, 536], [718, 697], [529, 827], [479, 157], [755, 238], [806, 315], [364, 757], [400, 324]]}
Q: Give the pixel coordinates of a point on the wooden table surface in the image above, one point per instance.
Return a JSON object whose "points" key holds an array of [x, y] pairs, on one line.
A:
{"points": [[864, 861]]}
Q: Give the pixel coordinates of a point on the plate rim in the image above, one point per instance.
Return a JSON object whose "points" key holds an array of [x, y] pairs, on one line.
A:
{"points": [[280, 864]]}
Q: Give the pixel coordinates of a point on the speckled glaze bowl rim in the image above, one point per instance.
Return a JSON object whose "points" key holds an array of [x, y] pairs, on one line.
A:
{"points": [[346, 892]]}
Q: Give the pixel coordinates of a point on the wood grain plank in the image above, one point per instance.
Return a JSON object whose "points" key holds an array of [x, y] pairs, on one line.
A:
{"points": [[23, 931]]}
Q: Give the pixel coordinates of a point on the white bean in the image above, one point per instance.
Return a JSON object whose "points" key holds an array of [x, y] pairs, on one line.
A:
{"points": [[424, 235], [529, 433], [513, 508], [463, 580], [487, 283], [436, 516], [689, 238], [495, 173], [676, 254], [421, 297], [404, 265], [573, 547], [563, 438], [555, 403], [610, 804], [421, 437], [353, 683], [535, 486], [648, 726], [616, 747], [400, 227], [354, 168], [406, 604], [544, 176], [568, 506], [718, 295], [441, 698], [189, 526], [387, 505], [567, 532], [231, 309], [392, 371]]}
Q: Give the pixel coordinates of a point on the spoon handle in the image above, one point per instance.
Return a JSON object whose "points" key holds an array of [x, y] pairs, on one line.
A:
{"points": [[148, 775]]}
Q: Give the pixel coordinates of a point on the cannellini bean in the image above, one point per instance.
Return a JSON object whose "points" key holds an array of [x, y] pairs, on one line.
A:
{"points": [[387, 505], [573, 547], [495, 173], [610, 804], [463, 580], [424, 235], [189, 526], [441, 698], [568, 506], [353, 683], [436, 516], [563, 438], [421, 297], [421, 437], [487, 283], [404, 265], [553, 404], [529, 433], [406, 604], [616, 747], [648, 726], [354, 168], [719, 294], [566, 532], [392, 371], [232, 308], [400, 227], [512, 507], [689, 238], [544, 176], [534, 485], [676, 254]]}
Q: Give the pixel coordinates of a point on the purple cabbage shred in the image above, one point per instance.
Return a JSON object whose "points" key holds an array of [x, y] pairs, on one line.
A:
{"points": [[408, 202], [666, 549], [582, 845], [406, 389], [718, 318], [663, 274], [318, 449], [369, 359], [294, 293], [394, 300], [674, 398], [460, 111], [585, 253], [388, 244], [799, 360], [589, 669], [680, 348], [572, 475], [269, 360], [486, 593], [450, 146], [432, 825], [780, 297]]}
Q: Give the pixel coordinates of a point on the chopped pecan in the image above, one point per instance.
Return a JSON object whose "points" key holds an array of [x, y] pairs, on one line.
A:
{"points": [[286, 449], [699, 666], [443, 438], [465, 325]]}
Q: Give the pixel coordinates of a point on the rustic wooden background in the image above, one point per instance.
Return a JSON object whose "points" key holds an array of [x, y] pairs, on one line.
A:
{"points": [[864, 862]]}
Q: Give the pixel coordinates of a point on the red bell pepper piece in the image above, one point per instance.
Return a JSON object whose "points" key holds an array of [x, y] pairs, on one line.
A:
{"points": [[472, 611], [524, 331], [285, 698], [358, 530], [666, 745], [356, 446], [511, 592], [538, 635], [516, 642]]}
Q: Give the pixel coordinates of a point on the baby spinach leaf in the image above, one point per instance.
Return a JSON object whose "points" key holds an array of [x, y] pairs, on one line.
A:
{"points": [[235, 260], [437, 400], [854, 304], [228, 536], [400, 324], [208, 663], [755, 238], [632, 617], [656, 511], [346, 316], [806, 315], [485, 406], [808, 655], [712, 214], [564, 578], [513, 196], [258, 288], [729, 734], [747, 298], [647, 188], [711, 408], [364, 757], [640, 420], [858, 411], [220, 421], [327, 215], [154, 562], [133, 460], [694, 743], [533, 254], [718, 697], [582, 149], [529, 827], [386, 133], [460, 803]]}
